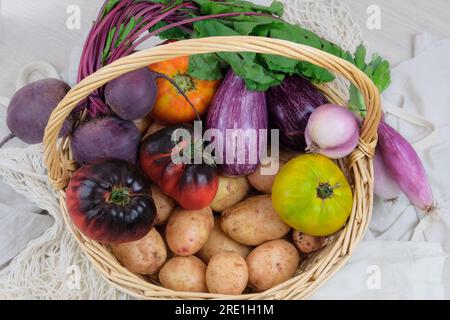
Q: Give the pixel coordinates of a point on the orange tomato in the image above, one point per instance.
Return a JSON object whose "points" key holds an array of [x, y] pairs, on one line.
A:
{"points": [[171, 107]]}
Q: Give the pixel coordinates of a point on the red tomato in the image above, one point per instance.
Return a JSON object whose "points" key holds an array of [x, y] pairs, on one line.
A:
{"points": [[193, 186], [170, 106]]}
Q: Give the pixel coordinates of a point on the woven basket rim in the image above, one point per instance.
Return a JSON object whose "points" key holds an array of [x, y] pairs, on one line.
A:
{"points": [[325, 263]]}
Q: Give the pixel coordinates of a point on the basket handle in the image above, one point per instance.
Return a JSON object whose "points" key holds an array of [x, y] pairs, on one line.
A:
{"points": [[56, 162]]}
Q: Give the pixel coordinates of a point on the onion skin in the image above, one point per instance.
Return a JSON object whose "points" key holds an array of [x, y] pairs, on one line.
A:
{"points": [[405, 167], [384, 186], [290, 105], [332, 131], [235, 107]]}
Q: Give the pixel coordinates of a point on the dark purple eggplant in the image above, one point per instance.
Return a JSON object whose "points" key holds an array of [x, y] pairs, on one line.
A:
{"points": [[234, 111], [289, 106]]}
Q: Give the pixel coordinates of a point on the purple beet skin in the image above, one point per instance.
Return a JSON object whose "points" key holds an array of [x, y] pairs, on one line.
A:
{"points": [[132, 95], [106, 138], [31, 106]]}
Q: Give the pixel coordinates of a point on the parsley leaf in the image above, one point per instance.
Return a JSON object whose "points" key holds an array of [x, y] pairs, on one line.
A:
{"points": [[378, 70]]}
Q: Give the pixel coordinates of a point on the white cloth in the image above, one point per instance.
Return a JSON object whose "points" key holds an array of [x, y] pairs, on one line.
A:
{"points": [[389, 270], [410, 249], [20, 220], [420, 86]]}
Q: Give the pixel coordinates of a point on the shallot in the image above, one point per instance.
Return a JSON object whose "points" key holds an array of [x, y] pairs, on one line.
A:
{"points": [[405, 167], [332, 131], [384, 185]]}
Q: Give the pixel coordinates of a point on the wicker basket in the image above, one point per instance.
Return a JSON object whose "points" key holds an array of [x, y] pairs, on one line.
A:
{"points": [[314, 270]]}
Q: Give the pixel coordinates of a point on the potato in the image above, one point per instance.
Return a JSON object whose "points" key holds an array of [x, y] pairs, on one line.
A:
{"points": [[143, 124], [230, 191], [162, 232], [155, 126], [286, 155], [185, 274], [164, 206], [144, 256], [188, 230], [271, 264], [253, 221], [227, 273], [218, 241], [307, 243], [263, 183]]}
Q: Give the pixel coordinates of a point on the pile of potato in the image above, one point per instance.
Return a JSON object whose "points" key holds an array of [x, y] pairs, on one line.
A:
{"points": [[239, 243]]}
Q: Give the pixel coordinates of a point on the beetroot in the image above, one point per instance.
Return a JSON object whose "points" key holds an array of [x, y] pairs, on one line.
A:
{"points": [[30, 109], [106, 138], [132, 95]]}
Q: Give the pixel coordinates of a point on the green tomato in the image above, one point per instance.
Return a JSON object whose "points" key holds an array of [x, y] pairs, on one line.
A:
{"points": [[312, 195]]}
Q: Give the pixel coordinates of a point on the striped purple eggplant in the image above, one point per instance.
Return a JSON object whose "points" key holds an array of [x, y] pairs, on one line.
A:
{"points": [[240, 117]]}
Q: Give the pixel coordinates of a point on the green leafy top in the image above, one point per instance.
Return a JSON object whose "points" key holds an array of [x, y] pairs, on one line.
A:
{"points": [[378, 70], [261, 71], [215, 7]]}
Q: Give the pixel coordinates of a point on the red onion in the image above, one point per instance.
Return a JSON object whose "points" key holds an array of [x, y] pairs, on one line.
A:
{"points": [[332, 131], [405, 167], [385, 187]]}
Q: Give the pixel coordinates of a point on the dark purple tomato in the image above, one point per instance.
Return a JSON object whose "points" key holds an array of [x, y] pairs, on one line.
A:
{"points": [[110, 201]]}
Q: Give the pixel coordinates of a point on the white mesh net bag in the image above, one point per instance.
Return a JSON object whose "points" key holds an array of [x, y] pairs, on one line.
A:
{"points": [[52, 266]]}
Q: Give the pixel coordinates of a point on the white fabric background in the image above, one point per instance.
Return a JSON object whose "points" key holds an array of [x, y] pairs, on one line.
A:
{"points": [[409, 248], [407, 269]]}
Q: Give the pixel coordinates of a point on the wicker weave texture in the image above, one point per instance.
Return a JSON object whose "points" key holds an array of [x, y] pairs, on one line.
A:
{"points": [[318, 267]]}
